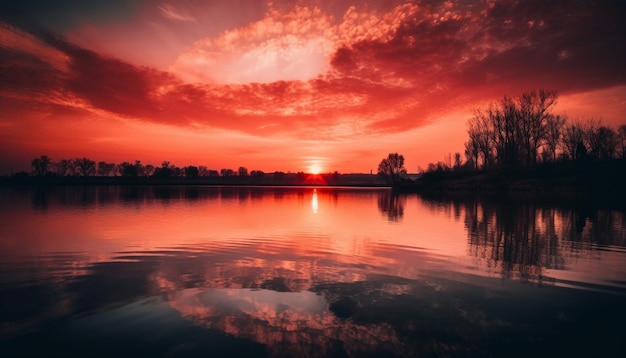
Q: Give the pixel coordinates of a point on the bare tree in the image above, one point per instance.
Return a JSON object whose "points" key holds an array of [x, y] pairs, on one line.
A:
{"points": [[127, 169], [166, 170], [471, 152], [85, 166], [511, 131], [573, 134], [479, 145], [106, 169], [41, 165], [554, 134], [225, 172], [602, 141], [391, 168], [457, 161], [65, 167], [141, 170], [590, 135], [622, 141], [534, 110]]}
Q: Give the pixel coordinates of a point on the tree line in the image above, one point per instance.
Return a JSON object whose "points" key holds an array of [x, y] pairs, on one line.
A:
{"points": [[85, 167], [523, 131]]}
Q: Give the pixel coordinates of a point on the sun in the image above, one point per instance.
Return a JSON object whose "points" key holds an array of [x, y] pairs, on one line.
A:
{"points": [[315, 169], [315, 165]]}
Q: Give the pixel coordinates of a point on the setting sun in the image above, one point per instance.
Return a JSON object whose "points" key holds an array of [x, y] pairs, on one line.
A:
{"points": [[315, 169]]}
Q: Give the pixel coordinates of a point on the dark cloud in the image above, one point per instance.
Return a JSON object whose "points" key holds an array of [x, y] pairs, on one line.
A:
{"points": [[487, 51], [62, 15], [108, 83]]}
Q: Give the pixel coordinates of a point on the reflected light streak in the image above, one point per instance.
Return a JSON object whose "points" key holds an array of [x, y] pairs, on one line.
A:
{"points": [[314, 202]]}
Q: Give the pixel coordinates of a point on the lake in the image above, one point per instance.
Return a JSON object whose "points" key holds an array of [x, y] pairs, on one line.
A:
{"points": [[302, 271]]}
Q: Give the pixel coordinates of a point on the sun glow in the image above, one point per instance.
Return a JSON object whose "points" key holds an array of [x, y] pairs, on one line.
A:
{"points": [[315, 169], [315, 165]]}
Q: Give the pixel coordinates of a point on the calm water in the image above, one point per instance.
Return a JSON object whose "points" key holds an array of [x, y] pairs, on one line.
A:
{"points": [[204, 271]]}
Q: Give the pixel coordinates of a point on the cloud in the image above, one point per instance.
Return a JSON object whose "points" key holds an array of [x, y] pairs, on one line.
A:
{"points": [[282, 46], [307, 74], [65, 14], [171, 12]]}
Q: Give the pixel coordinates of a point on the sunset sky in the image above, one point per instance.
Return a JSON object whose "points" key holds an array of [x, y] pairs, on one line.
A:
{"points": [[290, 85]]}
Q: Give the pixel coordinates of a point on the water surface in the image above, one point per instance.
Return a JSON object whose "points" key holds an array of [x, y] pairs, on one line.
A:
{"points": [[190, 271]]}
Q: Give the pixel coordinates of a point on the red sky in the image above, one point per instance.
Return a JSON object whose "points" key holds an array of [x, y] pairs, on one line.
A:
{"points": [[287, 85]]}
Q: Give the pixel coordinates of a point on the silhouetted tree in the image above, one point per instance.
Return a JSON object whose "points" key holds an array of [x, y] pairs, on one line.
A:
{"points": [[511, 132], [165, 171], [242, 171], [553, 135], [106, 169], [225, 172], [391, 168], [257, 173], [440, 166], [457, 161], [472, 151], [534, 115], [572, 136], [621, 132], [191, 171], [581, 150], [141, 170], [602, 141], [127, 169], [65, 167], [149, 170], [41, 165], [479, 147], [85, 166]]}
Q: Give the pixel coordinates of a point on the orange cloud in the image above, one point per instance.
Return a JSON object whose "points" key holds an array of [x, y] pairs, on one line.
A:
{"points": [[282, 46]]}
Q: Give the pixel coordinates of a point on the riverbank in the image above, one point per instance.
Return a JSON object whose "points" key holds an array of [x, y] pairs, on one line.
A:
{"points": [[594, 178]]}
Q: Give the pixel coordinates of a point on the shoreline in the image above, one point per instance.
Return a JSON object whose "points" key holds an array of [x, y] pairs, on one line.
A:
{"points": [[346, 180], [597, 181]]}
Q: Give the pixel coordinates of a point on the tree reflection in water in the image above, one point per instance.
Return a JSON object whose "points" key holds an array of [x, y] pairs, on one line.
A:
{"points": [[391, 205], [523, 240]]}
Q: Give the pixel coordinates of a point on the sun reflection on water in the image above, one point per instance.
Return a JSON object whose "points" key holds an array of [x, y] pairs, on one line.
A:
{"points": [[315, 205]]}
